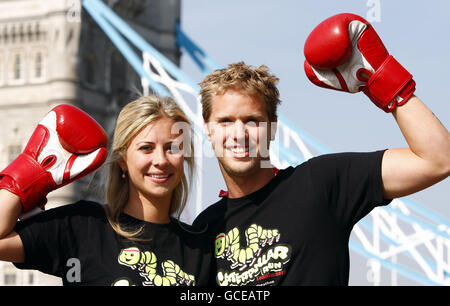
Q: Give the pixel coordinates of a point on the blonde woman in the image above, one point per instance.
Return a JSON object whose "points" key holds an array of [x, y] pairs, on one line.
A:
{"points": [[133, 240]]}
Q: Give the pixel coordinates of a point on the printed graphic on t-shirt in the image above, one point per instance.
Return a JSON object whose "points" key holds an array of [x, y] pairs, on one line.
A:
{"points": [[146, 264], [261, 260]]}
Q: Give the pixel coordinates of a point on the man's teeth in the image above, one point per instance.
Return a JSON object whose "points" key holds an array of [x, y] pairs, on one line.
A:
{"points": [[239, 150], [159, 175]]}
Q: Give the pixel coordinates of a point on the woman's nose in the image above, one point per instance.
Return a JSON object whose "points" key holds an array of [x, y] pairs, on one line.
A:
{"points": [[160, 158]]}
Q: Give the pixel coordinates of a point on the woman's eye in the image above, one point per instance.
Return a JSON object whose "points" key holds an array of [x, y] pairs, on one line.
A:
{"points": [[145, 148]]}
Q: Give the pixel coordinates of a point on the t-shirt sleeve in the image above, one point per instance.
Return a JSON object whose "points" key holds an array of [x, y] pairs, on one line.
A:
{"points": [[351, 184], [45, 241]]}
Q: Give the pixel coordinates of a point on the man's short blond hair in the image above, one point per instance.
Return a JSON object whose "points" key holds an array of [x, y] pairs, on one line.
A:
{"points": [[247, 79]]}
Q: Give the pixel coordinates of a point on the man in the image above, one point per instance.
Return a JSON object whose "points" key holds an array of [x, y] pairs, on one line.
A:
{"points": [[291, 226]]}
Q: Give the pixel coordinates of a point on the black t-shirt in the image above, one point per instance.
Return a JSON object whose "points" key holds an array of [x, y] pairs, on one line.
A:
{"points": [[295, 230], [77, 243]]}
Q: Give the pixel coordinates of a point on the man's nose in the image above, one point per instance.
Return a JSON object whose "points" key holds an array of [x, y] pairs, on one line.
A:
{"points": [[239, 130]]}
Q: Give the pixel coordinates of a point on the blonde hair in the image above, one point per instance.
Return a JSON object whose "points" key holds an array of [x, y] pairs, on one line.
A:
{"points": [[134, 117], [239, 76]]}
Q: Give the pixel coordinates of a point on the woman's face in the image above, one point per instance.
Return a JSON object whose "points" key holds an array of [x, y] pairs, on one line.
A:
{"points": [[154, 161]]}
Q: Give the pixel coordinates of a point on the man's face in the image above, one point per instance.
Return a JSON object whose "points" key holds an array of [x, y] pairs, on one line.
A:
{"points": [[238, 130]]}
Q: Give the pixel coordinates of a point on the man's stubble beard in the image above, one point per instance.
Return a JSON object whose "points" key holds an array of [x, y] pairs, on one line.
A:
{"points": [[238, 169]]}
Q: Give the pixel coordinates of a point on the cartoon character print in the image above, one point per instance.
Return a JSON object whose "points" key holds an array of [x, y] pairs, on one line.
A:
{"points": [[262, 258], [146, 263], [228, 246]]}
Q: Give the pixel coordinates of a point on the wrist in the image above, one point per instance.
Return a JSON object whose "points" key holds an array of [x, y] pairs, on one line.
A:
{"points": [[11, 208], [27, 179], [391, 85]]}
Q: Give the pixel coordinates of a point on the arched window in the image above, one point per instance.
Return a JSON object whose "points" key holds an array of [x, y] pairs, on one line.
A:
{"points": [[37, 31], [17, 67], [21, 33], [30, 33], [38, 65], [13, 34]]}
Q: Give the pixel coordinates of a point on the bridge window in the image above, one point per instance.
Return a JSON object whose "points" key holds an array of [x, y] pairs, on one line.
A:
{"points": [[17, 67], [38, 65]]}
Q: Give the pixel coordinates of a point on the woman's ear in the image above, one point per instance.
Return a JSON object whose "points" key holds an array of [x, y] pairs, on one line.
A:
{"points": [[123, 164]]}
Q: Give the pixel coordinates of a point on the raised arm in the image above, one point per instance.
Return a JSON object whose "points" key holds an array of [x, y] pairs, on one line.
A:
{"points": [[426, 161], [345, 53], [11, 247]]}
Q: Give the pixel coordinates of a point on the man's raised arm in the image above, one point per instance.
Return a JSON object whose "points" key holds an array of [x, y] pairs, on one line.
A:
{"points": [[426, 161], [345, 53]]}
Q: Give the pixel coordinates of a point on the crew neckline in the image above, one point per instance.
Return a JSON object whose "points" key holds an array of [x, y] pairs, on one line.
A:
{"points": [[257, 194], [225, 194], [127, 219]]}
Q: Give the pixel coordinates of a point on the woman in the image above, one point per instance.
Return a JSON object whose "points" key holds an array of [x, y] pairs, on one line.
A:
{"points": [[133, 240]]}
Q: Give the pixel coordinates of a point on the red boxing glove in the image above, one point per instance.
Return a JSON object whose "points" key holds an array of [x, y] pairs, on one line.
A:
{"points": [[66, 145], [344, 46]]}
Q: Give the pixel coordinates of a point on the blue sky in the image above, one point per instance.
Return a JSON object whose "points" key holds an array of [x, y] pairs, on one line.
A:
{"points": [[273, 33]]}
